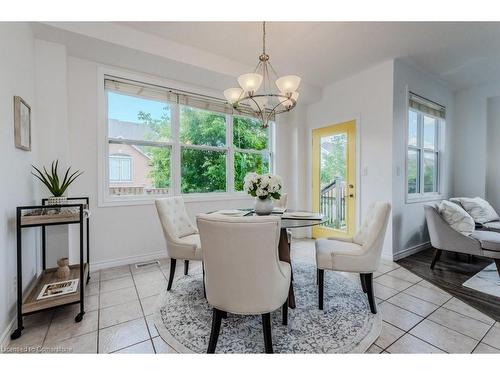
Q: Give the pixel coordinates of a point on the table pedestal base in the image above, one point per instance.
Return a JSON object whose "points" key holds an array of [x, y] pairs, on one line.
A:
{"points": [[284, 254]]}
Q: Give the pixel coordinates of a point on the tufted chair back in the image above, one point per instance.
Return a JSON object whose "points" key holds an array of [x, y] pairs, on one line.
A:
{"points": [[243, 273], [282, 202], [174, 218], [372, 233]]}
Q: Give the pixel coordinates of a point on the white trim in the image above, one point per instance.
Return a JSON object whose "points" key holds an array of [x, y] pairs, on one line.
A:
{"points": [[188, 198], [97, 266], [5, 338], [411, 250]]}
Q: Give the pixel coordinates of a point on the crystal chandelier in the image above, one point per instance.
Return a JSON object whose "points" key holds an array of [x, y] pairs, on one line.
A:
{"points": [[257, 96]]}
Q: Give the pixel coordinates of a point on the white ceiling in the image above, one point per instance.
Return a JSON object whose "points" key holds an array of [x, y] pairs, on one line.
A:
{"points": [[461, 54]]}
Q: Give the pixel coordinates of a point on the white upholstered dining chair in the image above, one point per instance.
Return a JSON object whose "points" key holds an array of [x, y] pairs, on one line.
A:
{"points": [[243, 273], [360, 254], [181, 236]]}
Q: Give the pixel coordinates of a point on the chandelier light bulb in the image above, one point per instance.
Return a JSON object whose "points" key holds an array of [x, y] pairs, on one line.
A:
{"points": [[287, 103], [288, 83], [250, 82], [232, 95]]}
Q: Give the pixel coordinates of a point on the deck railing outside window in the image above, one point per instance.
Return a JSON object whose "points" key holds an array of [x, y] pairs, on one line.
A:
{"points": [[332, 204]]}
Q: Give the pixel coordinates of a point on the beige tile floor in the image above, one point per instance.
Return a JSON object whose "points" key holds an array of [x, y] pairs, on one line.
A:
{"points": [[417, 316]]}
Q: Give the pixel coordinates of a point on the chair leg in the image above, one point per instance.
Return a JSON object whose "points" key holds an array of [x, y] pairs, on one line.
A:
{"points": [[204, 290], [186, 267], [437, 255], [266, 326], [363, 282], [321, 282], [284, 312], [214, 334], [368, 277], [497, 262], [172, 272]]}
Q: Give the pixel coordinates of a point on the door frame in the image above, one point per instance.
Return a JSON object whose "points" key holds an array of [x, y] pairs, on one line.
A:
{"points": [[355, 164]]}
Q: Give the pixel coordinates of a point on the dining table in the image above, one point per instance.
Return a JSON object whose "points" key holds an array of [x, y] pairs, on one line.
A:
{"points": [[289, 221]]}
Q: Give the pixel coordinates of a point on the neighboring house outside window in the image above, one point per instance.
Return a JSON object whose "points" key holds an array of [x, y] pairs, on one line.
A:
{"points": [[426, 121]]}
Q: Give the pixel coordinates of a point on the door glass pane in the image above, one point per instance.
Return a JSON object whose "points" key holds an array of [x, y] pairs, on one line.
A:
{"points": [[333, 170], [198, 127], [203, 171], [429, 132], [138, 119], [244, 163], [139, 170], [413, 160], [412, 128], [429, 172]]}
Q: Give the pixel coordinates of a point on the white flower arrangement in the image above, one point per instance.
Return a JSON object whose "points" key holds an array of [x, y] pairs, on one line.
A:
{"points": [[263, 186]]}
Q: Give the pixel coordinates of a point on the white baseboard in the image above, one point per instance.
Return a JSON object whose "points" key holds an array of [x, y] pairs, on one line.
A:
{"points": [[5, 338], [96, 266], [411, 250]]}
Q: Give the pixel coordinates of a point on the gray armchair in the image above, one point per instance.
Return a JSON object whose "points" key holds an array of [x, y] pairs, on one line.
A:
{"points": [[443, 237]]}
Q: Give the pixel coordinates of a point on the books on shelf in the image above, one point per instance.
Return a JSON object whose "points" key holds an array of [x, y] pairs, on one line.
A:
{"points": [[59, 288]]}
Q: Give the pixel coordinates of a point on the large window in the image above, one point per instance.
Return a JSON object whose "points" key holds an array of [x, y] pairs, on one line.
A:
{"points": [[425, 124], [163, 143]]}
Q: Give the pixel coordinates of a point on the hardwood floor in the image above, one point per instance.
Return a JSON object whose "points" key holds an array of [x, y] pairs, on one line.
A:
{"points": [[450, 272]]}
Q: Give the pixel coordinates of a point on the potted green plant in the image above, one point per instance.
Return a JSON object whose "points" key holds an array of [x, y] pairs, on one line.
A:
{"points": [[52, 181]]}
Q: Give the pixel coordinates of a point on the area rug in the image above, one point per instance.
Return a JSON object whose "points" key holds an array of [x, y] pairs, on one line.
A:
{"points": [[486, 281], [346, 325]]}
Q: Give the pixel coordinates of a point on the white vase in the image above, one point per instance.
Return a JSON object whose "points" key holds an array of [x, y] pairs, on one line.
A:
{"points": [[56, 200], [263, 206]]}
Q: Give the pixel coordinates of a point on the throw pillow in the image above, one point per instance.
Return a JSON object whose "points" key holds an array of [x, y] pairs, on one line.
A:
{"points": [[457, 217], [480, 210]]}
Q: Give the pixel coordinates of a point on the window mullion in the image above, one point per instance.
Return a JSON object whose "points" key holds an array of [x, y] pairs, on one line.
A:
{"points": [[421, 153], [230, 154], [175, 160]]}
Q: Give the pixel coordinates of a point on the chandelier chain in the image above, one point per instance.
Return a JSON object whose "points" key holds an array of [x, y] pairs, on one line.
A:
{"points": [[264, 37]]}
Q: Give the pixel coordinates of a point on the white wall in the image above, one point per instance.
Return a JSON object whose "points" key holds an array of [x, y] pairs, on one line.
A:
{"points": [[17, 75], [52, 112], [409, 228], [368, 98], [493, 153], [471, 123]]}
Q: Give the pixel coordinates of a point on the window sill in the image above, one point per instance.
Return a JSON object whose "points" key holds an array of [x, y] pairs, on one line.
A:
{"points": [[188, 198], [424, 198]]}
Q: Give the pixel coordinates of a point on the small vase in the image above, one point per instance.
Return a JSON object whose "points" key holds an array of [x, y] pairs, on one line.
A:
{"points": [[56, 200], [63, 269], [263, 206]]}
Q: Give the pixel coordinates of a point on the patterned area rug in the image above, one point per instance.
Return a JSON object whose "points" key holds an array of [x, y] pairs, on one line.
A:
{"points": [[345, 326]]}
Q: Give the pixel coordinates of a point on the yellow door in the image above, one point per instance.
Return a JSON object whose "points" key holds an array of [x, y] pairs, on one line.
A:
{"points": [[334, 179]]}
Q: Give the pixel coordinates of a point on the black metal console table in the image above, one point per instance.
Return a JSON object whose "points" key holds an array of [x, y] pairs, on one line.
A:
{"points": [[29, 304]]}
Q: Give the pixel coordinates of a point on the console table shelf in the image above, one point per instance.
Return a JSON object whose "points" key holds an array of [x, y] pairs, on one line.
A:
{"points": [[73, 212], [31, 304]]}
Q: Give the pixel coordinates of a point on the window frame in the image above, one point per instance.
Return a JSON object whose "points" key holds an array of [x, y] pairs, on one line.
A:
{"points": [[121, 158], [421, 195], [105, 199]]}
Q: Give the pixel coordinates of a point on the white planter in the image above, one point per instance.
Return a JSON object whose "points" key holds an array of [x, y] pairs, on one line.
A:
{"points": [[56, 200], [263, 206]]}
